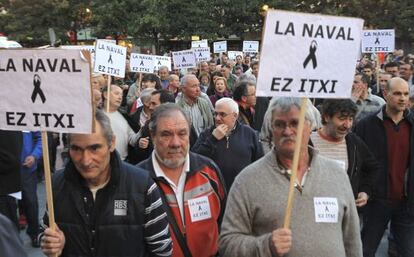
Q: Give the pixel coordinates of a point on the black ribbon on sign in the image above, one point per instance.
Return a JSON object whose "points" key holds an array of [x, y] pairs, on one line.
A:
{"points": [[311, 56], [377, 41], [110, 59], [37, 90]]}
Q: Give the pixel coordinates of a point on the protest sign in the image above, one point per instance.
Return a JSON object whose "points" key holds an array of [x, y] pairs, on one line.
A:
{"points": [[184, 59], [308, 55], [110, 59], [142, 63], [160, 60], [220, 47], [52, 92], [199, 43], [250, 46], [89, 48], [376, 41], [202, 54], [233, 54]]}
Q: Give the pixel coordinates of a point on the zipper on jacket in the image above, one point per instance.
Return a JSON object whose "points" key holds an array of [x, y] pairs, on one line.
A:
{"points": [[227, 142]]}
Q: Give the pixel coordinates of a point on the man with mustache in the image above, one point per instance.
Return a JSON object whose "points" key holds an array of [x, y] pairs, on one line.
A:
{"points": [[336, 141], [324, 220], [191, 185]]}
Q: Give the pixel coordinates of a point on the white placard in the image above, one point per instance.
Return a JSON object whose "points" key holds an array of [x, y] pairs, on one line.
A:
{"points": [[141, 63], [45, 90], [233, 54], [202, 54], [220, 47], [184, 59], [251, 46], [326, 209], [308, 55], [110, 59], [377, 41], [89, 48], [199, 209], [199, 43], [160, 60]]}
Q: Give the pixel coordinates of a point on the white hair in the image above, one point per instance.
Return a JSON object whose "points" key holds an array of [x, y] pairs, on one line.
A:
{"points": [[234, 107], [186, 78]]}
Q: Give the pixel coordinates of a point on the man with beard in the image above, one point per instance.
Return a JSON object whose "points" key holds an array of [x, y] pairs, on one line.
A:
{"points": [[336, 141], [191, 185]]}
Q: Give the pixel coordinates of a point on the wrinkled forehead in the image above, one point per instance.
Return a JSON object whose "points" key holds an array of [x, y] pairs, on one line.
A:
{"points": [[172, 121]]}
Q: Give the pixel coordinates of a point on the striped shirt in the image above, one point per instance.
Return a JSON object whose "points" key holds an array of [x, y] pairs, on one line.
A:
{"points": [[156, 230], [333, 150]]}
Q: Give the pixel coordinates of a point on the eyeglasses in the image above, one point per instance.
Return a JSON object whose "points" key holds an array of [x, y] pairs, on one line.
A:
{"points": [[281, 125], [221, 114]]}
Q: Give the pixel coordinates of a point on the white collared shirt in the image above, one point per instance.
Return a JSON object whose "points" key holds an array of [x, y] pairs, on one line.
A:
{"points": [[178, 189]]}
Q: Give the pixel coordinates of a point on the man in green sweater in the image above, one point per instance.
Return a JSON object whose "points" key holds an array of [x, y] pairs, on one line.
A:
{"points": [[324, 221]]}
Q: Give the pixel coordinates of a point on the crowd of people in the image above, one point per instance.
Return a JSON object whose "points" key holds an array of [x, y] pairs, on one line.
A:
{"points": [[193, 163]]}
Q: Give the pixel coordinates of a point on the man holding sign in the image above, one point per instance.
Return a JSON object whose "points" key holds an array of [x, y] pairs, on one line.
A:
{"points": [[104, 206], [324, 219]]}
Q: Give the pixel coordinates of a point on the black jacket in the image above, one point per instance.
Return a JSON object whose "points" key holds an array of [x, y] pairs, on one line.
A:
{"points": [[10, 151], [371, 129], [113, 224], [362, 165], [231, 154]]}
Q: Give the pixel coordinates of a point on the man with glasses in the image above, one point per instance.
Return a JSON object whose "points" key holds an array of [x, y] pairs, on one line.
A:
{"points": [[324, 220], [230, 144]]}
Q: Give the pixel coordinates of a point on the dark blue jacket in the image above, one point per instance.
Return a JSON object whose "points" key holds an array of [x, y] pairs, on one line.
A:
{"points": [[115, 224], [232, 153]]}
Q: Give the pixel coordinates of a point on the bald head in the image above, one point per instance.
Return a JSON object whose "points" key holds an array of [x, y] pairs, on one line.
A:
{"points": [[396, 81]]}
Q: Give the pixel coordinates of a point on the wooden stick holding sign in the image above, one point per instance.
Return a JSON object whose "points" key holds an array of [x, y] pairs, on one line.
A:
{"points": [[48, 182], [377, 72], [108, 95], [295, 163]]}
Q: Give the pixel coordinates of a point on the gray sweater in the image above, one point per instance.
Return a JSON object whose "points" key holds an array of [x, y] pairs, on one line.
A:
{"points": [[257, 202]]}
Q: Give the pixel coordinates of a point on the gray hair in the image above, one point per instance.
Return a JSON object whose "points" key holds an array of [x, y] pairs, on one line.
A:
{"points": [[166, 110], [163, 68], [146, 94], [251, 79], [234, 107], [105, 123], [284, 104], [185, 79]]}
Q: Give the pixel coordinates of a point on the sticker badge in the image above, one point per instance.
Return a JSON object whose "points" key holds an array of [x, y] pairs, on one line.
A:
{"points": [[199, 208], [326, 209]]}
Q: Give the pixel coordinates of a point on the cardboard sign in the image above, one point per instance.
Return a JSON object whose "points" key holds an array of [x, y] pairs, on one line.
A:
{"points": [[45, 90], [184, 59], [160, 60], [110, 59], [377, 41], [220, 47], [199, 43], [89, 48], [308, 55], [233, 54], [202, 54], [142, 63], [250, 46]]}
